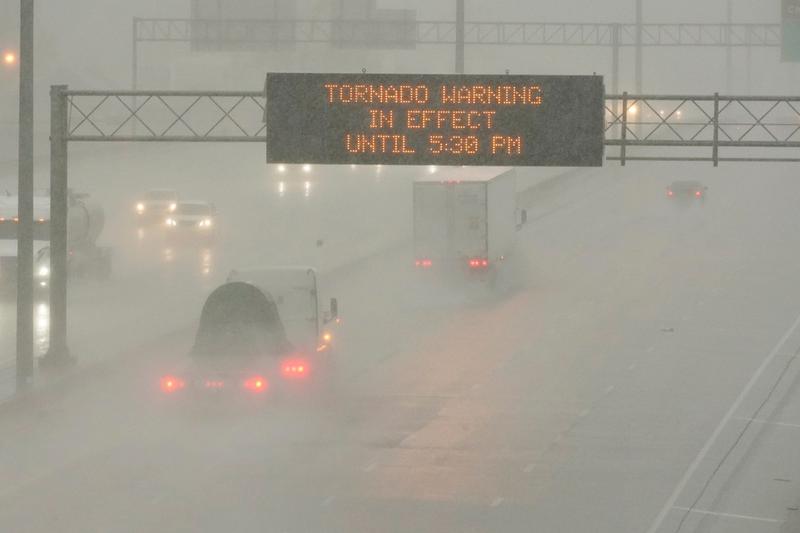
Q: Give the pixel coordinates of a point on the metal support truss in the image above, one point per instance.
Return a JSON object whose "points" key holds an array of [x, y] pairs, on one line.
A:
{"points": [[218, 34], [700, 128], [444, 32]]}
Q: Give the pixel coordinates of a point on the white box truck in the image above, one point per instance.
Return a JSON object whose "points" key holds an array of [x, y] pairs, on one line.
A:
{"points": [[465, 219]]}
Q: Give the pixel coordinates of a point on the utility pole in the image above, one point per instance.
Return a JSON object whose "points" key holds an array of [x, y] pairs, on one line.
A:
{"points": [[638, 46], [24, 374], [459, 36]]}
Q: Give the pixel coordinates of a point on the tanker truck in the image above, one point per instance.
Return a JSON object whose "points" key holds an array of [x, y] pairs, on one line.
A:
{"points": [[85, 220]]}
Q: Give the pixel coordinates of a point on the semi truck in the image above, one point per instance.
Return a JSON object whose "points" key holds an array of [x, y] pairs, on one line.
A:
{"points": [[85, 221], [261, 334], [466, 220]]}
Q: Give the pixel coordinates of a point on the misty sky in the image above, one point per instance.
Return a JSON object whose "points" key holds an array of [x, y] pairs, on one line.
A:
{"points": [[87, 43]]}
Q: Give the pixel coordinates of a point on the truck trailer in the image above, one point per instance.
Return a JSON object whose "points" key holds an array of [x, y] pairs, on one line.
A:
{"points": [[465, 220]]}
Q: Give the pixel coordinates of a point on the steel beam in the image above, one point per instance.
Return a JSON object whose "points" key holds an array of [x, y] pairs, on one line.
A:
{"points": [[58, 355], [459, 36], [24, 362], [434, 32]]}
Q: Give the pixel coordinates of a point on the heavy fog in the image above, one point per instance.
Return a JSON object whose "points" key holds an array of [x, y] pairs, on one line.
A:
{"points": [[273, 346]]}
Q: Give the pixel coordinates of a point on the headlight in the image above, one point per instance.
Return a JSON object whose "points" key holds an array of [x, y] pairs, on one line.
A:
{"points": [[172, 207], [44, 271], [140, 207], [172, 222], [205, 223]]}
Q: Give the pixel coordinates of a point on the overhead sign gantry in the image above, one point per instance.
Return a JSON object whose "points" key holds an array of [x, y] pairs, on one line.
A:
{"points": [[401, 119]]}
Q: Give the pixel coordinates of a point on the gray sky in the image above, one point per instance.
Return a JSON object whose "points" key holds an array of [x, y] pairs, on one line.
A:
{"points": [[87, 43]]}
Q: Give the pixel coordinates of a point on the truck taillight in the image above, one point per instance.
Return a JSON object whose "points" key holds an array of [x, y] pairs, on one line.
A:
{"points": [[171, 384], [698, 194], [478, 263], [295, 368], [423, 263]]}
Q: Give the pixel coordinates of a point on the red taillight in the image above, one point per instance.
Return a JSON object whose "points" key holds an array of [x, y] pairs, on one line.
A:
{"points": [[255, 384], [424, 263], [172, 384], [669, 193], [478, 263], [295, 368], [698, 194]]}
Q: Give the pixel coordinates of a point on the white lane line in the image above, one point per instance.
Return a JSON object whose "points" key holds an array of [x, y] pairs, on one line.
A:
{"points": [[730, 515], [529, 468], [370, 467], [609, 389], [650, 349], [670, 503], [329, 500], [631, 366], [770, 422], [497, 501], [583, 413]]}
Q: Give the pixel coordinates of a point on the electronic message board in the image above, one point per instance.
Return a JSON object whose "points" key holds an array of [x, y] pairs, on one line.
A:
{"points": [[397, 119]]}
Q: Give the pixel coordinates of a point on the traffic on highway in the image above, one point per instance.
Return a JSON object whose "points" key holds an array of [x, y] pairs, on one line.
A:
{"points": [[367, 266]]}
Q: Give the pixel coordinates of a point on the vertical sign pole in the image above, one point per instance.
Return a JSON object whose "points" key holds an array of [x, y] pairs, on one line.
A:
{"points": [[715, 150], [459, 36], [24, 374], [615, 59], [624, 135], [58, 355], [134, 68], [639, 75], [729, 49]]}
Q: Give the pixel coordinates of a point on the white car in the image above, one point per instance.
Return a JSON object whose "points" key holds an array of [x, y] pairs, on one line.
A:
{"points": [[156, 204], [192, 218]]}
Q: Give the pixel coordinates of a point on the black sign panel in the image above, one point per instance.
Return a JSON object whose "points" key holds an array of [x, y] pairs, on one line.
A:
{"points": [[397, 119]]}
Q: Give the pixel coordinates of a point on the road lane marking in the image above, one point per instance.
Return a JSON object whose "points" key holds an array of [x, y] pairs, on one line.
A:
{"points": [[529, 468], [329, 500], [583, 413], [631, 366], [670, 503], [370, 467], [770, 422], [497, 501], [730, 515], [609, 389], [651, 349]]}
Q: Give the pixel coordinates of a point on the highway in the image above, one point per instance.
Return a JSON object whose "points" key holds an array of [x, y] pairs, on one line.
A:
{"points": [[630, 343]]}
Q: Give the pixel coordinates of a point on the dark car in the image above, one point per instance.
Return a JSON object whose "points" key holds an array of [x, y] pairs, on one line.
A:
{"points": [[687, 190]]}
